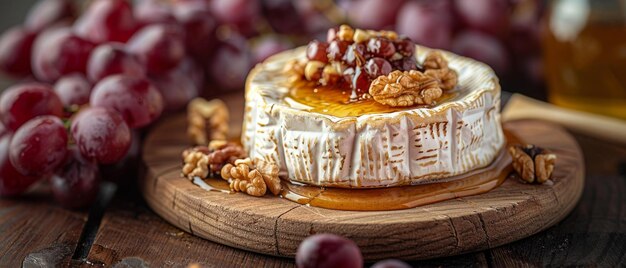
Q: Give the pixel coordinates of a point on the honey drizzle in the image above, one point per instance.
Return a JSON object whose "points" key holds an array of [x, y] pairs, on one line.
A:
{"points": [[402, 197], [212, 185], [393, 198], [341, 102]]}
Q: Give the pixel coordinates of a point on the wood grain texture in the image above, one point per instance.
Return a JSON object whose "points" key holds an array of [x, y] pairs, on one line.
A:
{"points": [[130, 235], [594, 234], [276, 226], [34, 232]]}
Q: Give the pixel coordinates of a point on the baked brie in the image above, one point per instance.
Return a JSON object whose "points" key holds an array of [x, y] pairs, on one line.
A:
{"points": [[373, 147]]}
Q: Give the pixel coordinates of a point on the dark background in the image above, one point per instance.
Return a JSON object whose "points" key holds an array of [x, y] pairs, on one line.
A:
{"points": [[12, 13]]}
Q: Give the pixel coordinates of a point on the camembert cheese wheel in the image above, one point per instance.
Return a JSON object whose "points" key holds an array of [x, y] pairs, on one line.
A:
{"points": [[409, 146]]}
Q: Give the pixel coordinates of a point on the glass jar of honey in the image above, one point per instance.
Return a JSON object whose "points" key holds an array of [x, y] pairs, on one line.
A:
{"points": [[585, 55]]}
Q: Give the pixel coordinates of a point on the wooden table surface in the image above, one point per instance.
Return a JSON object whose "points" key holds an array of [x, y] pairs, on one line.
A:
{"points": [[120, 230]]}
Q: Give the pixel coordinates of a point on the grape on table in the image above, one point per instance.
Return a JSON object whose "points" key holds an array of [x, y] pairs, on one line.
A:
{"points": [[169, 52], [12, 182], [113, 58], [73, 90], [101, 135], [328, 250], [23, 102], [39, 147]]}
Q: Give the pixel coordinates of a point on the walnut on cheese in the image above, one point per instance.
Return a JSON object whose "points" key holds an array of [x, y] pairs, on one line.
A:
{"points": [[413, 87], [406, 88], [437, 66]]}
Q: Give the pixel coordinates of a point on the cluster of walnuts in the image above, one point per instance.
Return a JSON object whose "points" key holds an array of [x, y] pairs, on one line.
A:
{"points": [[208, 124], [413, 87], [532, 163]]}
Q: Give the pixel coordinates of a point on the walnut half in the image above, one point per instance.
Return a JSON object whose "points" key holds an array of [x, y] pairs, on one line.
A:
{"points": [[203, 161], [208, 120], [195, 162], [406, 88], [252, 177], [532, 163], [437, 67]]}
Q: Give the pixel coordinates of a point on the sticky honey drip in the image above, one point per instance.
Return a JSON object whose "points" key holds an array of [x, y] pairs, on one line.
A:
{"points": [[393, 198], [338, 102]]}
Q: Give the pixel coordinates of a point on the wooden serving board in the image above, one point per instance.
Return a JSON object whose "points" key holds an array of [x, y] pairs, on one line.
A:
{"points": [[275, 226]]}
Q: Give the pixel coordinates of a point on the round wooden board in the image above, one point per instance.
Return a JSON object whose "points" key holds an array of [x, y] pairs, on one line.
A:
{"points": [[275, 226]]}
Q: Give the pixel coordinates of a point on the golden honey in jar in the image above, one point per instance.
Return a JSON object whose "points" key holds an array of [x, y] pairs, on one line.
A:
{"points": [[585, 55]]}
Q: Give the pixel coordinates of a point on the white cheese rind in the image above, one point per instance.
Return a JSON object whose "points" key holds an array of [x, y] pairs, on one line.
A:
{"points": [[408, 147]]}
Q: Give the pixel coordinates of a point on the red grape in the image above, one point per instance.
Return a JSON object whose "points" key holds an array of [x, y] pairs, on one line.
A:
{"points": [[135, 98], [234, 11], [337, 49], [231, 64], [405, 46], [101, 135], [376, 67], [15, 51], [112, 58], [176, 88], [153, 11], [107, 20], [525, 30], [48, 12], [405, 64], [12, 182], [268, 46], [490, 16], [3, 130], [482, 47], [124, 171], [243, 14], [426, 23], [381, 47], [160, 47], [354, 51], [314, 18], [195, 73], [58, 52], [533, 69], [283, 16], [328, 250], [391, 263], [199, 25], [331, 34], [22, 102], [374, 14], [39, 147], [316, 50], [361, 81], [73, 89], [76, 185]]}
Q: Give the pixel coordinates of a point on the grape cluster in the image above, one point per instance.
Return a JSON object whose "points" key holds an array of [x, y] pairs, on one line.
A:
{"points": [[329, 250], [505, 34], [124, 64], [89, 81], [357, 57], [90, 90]]}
